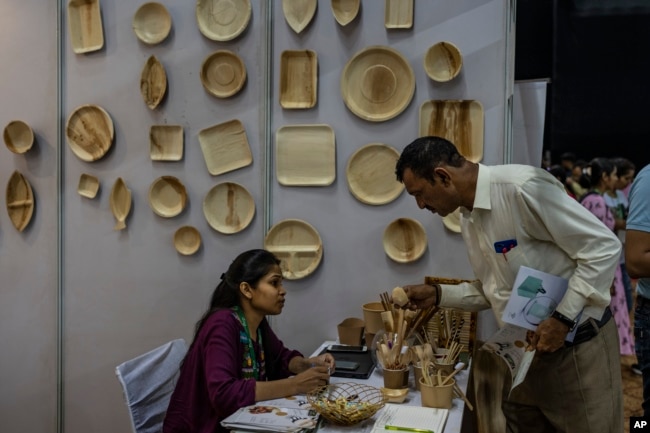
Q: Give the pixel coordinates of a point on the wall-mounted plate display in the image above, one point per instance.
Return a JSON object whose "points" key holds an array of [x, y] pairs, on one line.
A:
{"points": [[398, 14], [153, 82], [166, 142], [223, 20], [443, 61], [223, 73], [345, 11], [152, 23], [88, 186], [85, 26], [370, 174], [20, 201], [299, 13], [452, 221], [89, 131], [167, 196], [18, 136], [405, 240], [305, 155], [187, 240], [298, 79], [377, 83], [298, 245], [225, 147], [120, 202], [228, 207], [459, 121]]}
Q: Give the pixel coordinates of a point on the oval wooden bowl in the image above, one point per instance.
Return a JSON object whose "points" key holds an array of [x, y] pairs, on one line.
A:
{"points": [[18, 136], [345, 11], [20, 201], [152, 23], [88, 186], [187, 240], [153, 82], [223, 73], [405, 240], [443, 61], [89, 132], [120, 202], [167, 196], [222, 20]]}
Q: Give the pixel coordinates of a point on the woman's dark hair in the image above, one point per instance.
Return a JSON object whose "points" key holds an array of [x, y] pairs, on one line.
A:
{"points": [[424, 154], [558, 172], [250, 266], [623, 166], [595, 170]]}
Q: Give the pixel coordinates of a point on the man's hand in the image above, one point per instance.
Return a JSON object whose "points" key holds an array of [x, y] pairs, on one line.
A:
{"points": [[420, 296], [549, 336]]}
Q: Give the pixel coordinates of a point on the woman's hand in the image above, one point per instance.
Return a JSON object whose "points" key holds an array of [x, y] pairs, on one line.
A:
{"points": [[326, 359], [311, 378], [420, 296]]}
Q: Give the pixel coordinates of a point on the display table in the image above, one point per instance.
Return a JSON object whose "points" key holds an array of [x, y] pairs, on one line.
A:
{"points": [[454, 420]]}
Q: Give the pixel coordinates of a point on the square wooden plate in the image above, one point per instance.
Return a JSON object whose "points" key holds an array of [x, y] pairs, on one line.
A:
{"points": [[225, 147], [305, 155]]}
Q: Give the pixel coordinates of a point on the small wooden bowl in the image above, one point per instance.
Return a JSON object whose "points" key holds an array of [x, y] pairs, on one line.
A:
{"points": [[167, 196], [88, 186], [18, 136], [345, 11], [152, 23], [443, 61], [187, 240], [405, 240], [395, 395]]}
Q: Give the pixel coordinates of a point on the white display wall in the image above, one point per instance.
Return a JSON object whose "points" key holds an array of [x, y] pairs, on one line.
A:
{"points": [[78, 297]]}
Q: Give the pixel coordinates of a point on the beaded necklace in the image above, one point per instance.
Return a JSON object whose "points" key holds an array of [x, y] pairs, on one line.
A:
{"points": [[250, 360]]}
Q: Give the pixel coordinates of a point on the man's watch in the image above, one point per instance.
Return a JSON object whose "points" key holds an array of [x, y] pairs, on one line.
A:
{"points": [[564, 319]]}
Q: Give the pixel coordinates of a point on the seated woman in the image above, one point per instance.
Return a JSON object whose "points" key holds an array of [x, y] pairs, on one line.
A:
{"points": [[235, 358]]}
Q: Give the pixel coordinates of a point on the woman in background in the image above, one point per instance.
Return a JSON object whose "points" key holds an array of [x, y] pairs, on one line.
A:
{"points": [[235, 358], [601, 174]]}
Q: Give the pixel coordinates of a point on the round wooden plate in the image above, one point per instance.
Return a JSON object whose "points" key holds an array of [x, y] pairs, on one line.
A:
{"points": [[299, 246], [228, 207], [405, 240], [370, 174]]}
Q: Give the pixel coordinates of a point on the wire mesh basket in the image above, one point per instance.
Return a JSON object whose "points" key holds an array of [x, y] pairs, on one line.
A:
{"points": [[346, 403]]}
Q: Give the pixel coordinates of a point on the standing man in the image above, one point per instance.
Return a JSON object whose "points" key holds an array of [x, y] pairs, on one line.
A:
{"points": [[512, 216], [637, 261]]}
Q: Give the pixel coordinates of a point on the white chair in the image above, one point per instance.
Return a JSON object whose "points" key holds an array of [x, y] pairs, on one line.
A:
{"points": [[148, 382]]}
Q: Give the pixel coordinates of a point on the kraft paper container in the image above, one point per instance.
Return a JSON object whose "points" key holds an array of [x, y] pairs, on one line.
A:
{"points": [[417, 374], [437, 396], [372, 317], [350, 331], [368, 337], [396, 379]]}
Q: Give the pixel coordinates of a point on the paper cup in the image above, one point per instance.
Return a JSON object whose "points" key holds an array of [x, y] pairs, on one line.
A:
{"points": [[417, 374], [396, 379], [350, 331], [372, 317], [437, 396]]}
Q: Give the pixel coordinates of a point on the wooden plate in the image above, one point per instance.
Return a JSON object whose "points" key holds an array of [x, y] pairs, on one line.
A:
{"points": [[228, 207], [459, 121], [398, 14], [225, 147], [89, 131], [299, 13], [88, 186], [120, 202], [443, 61], [187, 240], [452, 221], [167, 196], [153, 82], [152, 23], [85, 26], [223, 73], [20, 201], [298, 79], [305, 155], [166, 142], [299, 246], [371, 174], [395, 395], [345, 11], [222, 20], [405, 240], [18, 136], [377, 84]]}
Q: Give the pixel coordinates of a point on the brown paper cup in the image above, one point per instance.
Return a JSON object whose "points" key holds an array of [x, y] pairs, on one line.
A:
{"points": [[396, 379], [350, 331], [437, 396], [417, 374], [372, 317]]}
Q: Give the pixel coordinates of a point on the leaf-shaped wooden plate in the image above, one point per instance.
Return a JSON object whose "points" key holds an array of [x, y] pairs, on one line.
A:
{"points": [[187, 240], [88, 186], [222, 20], [120, 201], [298, 79], [85, 26], [298, 244], [20, 201], [166, 142], [89, 131], [405, 240], [152, 23], [228, 207], [153, 82], [299, 13], [167, 196], [223, 73], [225, 147], [345, 11], [18, 136], [371, 174]]}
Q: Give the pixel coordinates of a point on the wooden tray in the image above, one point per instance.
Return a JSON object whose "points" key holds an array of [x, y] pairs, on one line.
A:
{"points": [[18, 136], [298, 79], [187, 240], [371, 174], [166, 142], [443, 61], [299, 13], [345, 11], [398, 14], [88, 186], [377, 83], [120, 202], [167, 196], [459, 121], [405, 240], [223, 20], [305, 155], [153, 82], [223, 73], [20, 201], [452, 221], [298, 245], [89, 131], [152, 23], [225, 147], [228, 207], [85, 26]]}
